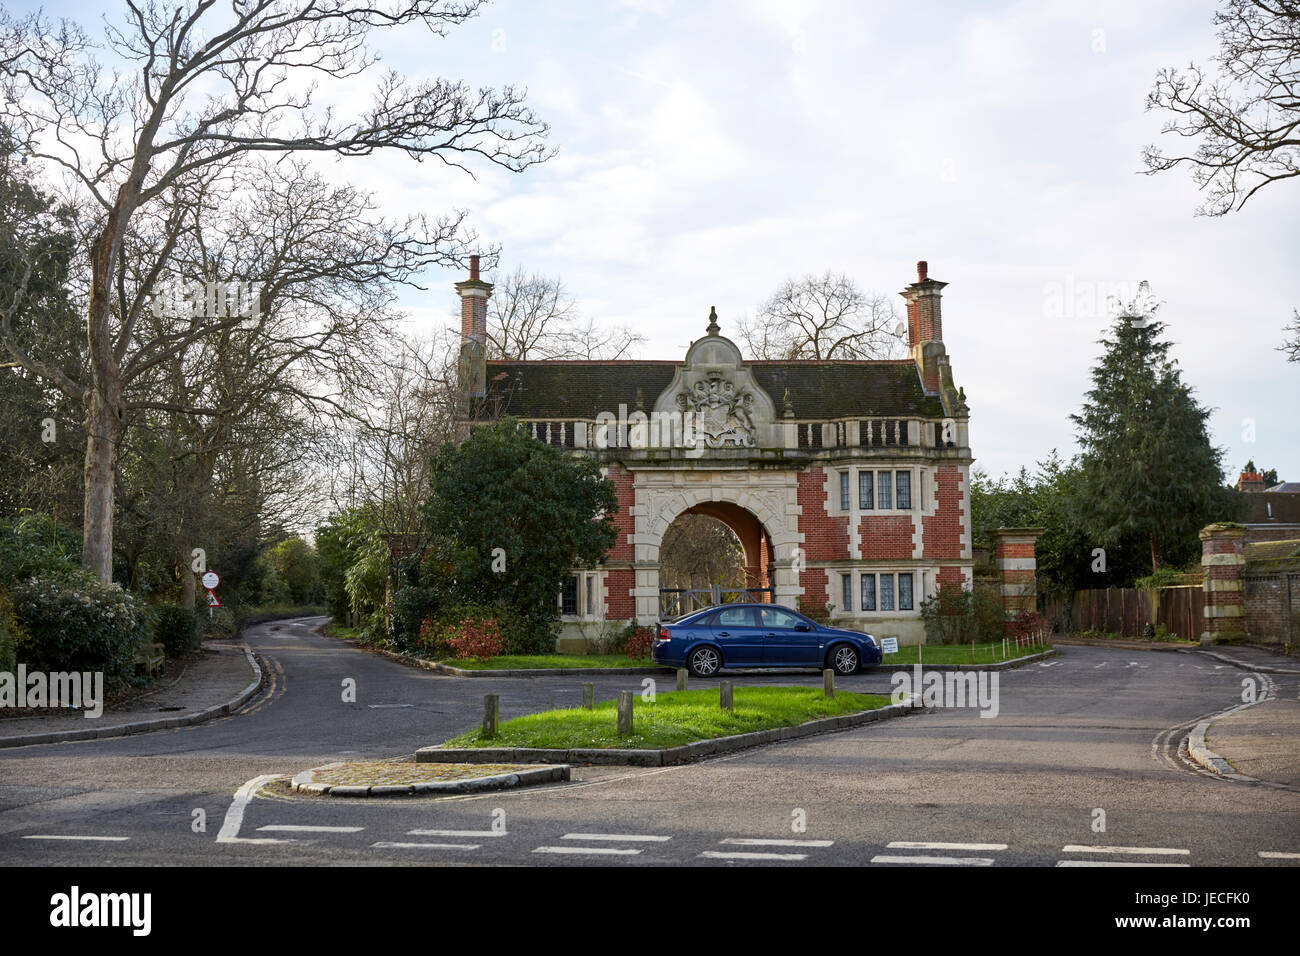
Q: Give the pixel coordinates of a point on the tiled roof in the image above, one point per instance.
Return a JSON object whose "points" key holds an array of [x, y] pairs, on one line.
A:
{"points": [[1286, 488], [579, 390]]}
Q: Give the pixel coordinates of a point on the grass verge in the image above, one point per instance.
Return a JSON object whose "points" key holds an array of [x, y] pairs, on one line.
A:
{"points": [[673, 719], [546, 661]]}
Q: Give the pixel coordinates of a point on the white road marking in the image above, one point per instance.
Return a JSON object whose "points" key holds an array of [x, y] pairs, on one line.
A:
{"points": [[1049, 663], [906, 845], [390, 845], [741, 855], [589, 850], [617, 837], [59, 836], [936, 860], [1135, 850], [457, 833], [1113, 863], [386, 706], [235, 815], [743, 841], [1276, 855], [296, 828]]}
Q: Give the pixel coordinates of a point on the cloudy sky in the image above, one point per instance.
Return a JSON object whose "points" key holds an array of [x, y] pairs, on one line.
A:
{"points": [[708, 150]]}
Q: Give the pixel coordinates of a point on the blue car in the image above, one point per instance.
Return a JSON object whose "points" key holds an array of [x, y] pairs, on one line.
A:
{"points": [[759, 635]]}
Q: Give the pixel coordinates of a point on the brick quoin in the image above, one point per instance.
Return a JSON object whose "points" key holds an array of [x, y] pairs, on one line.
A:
{"points": [[621, 604], [825, 537], [941, 532], [624, 482], [885, 537], [813, 581]]}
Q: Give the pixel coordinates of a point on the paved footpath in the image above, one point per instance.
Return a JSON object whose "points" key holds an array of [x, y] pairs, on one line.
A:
{"points": [[217, 677]]}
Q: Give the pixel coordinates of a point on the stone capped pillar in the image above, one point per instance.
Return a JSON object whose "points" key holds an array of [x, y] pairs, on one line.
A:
{"points": [[1223, 556], [1013, 554]]}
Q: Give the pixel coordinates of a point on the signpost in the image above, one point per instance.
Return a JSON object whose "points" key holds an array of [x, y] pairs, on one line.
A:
{"points": [[889, 645], [210, 581]]}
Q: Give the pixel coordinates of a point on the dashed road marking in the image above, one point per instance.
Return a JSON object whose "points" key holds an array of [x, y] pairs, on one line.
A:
{"points": [[589, 850], [299, 828], [457, 833], [76, 836], [742, 855], [745, 841], [617, 837], [1133, 850], [909, 845], [936, 860], [395, 845], [1114, 863], [387, 706], [1277, 855]]}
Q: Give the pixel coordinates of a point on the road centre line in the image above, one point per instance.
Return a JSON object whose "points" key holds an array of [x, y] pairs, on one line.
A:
{"points": [[394, 845], [742, 855], [457, 833], [1114, 863], [745, 841], [1278, 855]]}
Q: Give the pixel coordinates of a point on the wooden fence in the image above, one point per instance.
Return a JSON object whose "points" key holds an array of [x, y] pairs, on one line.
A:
{"points": [[1128, 611]]}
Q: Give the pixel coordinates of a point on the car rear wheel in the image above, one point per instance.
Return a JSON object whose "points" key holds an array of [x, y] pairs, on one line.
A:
{"points": [[704, 661], [843, 659]]}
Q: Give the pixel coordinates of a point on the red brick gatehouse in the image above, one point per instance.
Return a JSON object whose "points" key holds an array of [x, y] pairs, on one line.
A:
{"points": [[847, 482]]}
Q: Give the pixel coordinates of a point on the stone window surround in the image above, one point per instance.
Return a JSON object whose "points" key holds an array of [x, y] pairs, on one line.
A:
{"points": [[591, 587], [922, 488], [923, 578]]}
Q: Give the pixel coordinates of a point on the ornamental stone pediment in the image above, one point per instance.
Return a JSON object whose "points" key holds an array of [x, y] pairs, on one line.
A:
{"points": [[728, 408]]}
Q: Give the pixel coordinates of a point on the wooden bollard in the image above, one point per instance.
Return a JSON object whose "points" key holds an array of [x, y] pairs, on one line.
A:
{"points": [[624, 713], [726, 697], [828, 682], [491, 709], [588, 696], [681, 678]]}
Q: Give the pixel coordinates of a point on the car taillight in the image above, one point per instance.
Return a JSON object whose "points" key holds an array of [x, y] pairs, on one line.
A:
{"points": [[664, 635]]}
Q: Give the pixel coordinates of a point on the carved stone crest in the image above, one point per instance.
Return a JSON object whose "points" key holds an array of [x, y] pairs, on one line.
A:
{"points": [[722, 415]]}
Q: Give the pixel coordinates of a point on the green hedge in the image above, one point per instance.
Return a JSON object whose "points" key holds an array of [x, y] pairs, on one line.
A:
{"points": [[75, 622], [176, 628]]}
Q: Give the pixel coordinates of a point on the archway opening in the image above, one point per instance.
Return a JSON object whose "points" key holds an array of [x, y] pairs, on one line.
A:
{"points": [[713, 553]]}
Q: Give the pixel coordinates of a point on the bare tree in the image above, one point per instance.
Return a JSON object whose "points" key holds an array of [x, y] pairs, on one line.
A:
{"points": [[211, 88], [699, 551], [1291, 344], [1246, 117], [532, 316], [822, 317]]}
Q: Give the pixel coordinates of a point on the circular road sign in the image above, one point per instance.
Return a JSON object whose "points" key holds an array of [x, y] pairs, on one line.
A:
{"points": [[210, 580]]}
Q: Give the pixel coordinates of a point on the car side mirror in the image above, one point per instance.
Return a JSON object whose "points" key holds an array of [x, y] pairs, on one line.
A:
{"points": [[803, 627]]}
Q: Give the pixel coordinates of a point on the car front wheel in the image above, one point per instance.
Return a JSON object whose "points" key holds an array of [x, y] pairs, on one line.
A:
{"points": [[844, 660], [704, 662]]}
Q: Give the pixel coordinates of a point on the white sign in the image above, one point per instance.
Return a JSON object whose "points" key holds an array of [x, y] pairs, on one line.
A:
{"points": [[210, 580], [889, 645]]}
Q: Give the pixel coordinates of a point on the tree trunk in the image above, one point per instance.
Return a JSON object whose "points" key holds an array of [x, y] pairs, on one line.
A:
{"points": [[103, 427], [187, 583]]}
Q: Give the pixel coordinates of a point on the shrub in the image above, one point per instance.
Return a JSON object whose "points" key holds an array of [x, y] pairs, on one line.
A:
{"points": [[33, 543], [409, 608], [476, 637], [11, 635], [78, 623], [960, 615], [639, 642], [176, 628], [1029, 624]]}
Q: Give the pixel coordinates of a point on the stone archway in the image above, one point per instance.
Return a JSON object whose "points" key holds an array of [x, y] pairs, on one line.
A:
{"points": [[762, 508]]}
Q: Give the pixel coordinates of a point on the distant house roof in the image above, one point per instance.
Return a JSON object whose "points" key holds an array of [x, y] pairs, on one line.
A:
{"points": [[1286, 488], [580, 390], [1270, 507]]}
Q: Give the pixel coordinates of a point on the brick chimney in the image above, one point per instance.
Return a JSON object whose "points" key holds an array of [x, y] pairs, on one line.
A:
{"points": [[1250, 481], [925, 325], [472, 371]]}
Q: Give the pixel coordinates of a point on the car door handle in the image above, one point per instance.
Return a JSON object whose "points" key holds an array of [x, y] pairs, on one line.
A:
{"points": [[723, 634], [769, 634]]}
